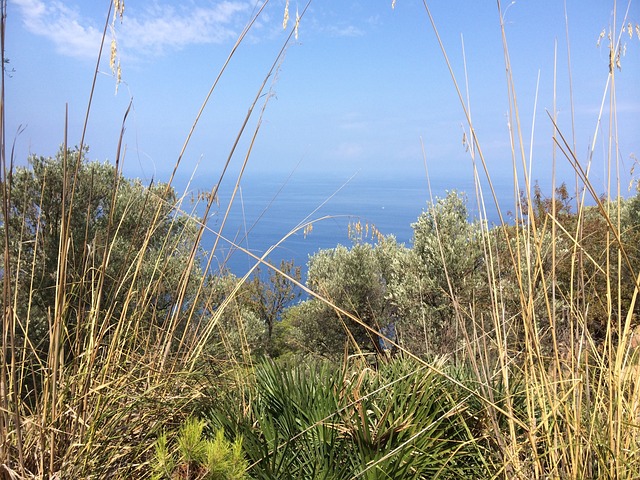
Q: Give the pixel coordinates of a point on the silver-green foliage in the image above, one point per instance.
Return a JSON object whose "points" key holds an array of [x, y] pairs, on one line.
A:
{"points": [[436, 281], [114, 224], [419, 295], [356, 280]]}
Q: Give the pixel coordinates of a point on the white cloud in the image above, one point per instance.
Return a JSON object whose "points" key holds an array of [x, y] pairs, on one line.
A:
{"points": [[71, 34], [165, 27], [154, 29], [346, 31]]}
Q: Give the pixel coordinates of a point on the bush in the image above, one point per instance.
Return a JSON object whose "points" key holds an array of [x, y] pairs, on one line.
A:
{"points": [[315, 420], [195, 457]]}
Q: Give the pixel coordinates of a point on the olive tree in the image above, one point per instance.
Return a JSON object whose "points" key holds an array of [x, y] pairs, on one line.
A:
{"points": [[271, 293], [439, 277], [248, 313], [354, 280], [109, 244]]}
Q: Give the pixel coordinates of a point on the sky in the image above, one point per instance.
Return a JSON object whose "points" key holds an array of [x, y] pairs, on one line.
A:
{"points": [[364, 87]]}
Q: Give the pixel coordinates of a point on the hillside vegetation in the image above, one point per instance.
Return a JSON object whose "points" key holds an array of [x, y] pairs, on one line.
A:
{"points": [[476, 351]]}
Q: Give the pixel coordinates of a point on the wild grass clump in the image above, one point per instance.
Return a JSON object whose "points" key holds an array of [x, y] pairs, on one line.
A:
{"points": [[554, 329], [94, 329]]}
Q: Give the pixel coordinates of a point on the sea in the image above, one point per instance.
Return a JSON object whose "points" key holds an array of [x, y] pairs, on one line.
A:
{"points": [[278, 217]]}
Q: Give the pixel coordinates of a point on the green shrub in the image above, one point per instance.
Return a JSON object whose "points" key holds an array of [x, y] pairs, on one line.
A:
{"points": [[195, 457], [315, 420]]}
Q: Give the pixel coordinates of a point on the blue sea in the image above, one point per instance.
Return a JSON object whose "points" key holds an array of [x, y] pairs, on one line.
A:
{"points": [[267, 208]]}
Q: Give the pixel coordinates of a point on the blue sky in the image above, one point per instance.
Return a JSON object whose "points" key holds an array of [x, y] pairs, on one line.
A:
{"points": [[359, 90]]}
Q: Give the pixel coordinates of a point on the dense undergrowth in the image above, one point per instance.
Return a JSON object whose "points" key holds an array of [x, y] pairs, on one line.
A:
{"points": [[478, 351]]}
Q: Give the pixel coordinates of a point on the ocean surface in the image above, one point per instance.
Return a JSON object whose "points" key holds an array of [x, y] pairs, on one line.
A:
{"points": [[271, 212]]}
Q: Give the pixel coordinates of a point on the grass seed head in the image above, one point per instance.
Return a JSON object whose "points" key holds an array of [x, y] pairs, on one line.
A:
{"points": [[118, 5], [118, 76], [285, 20], [112, 57], [307, 230]]}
